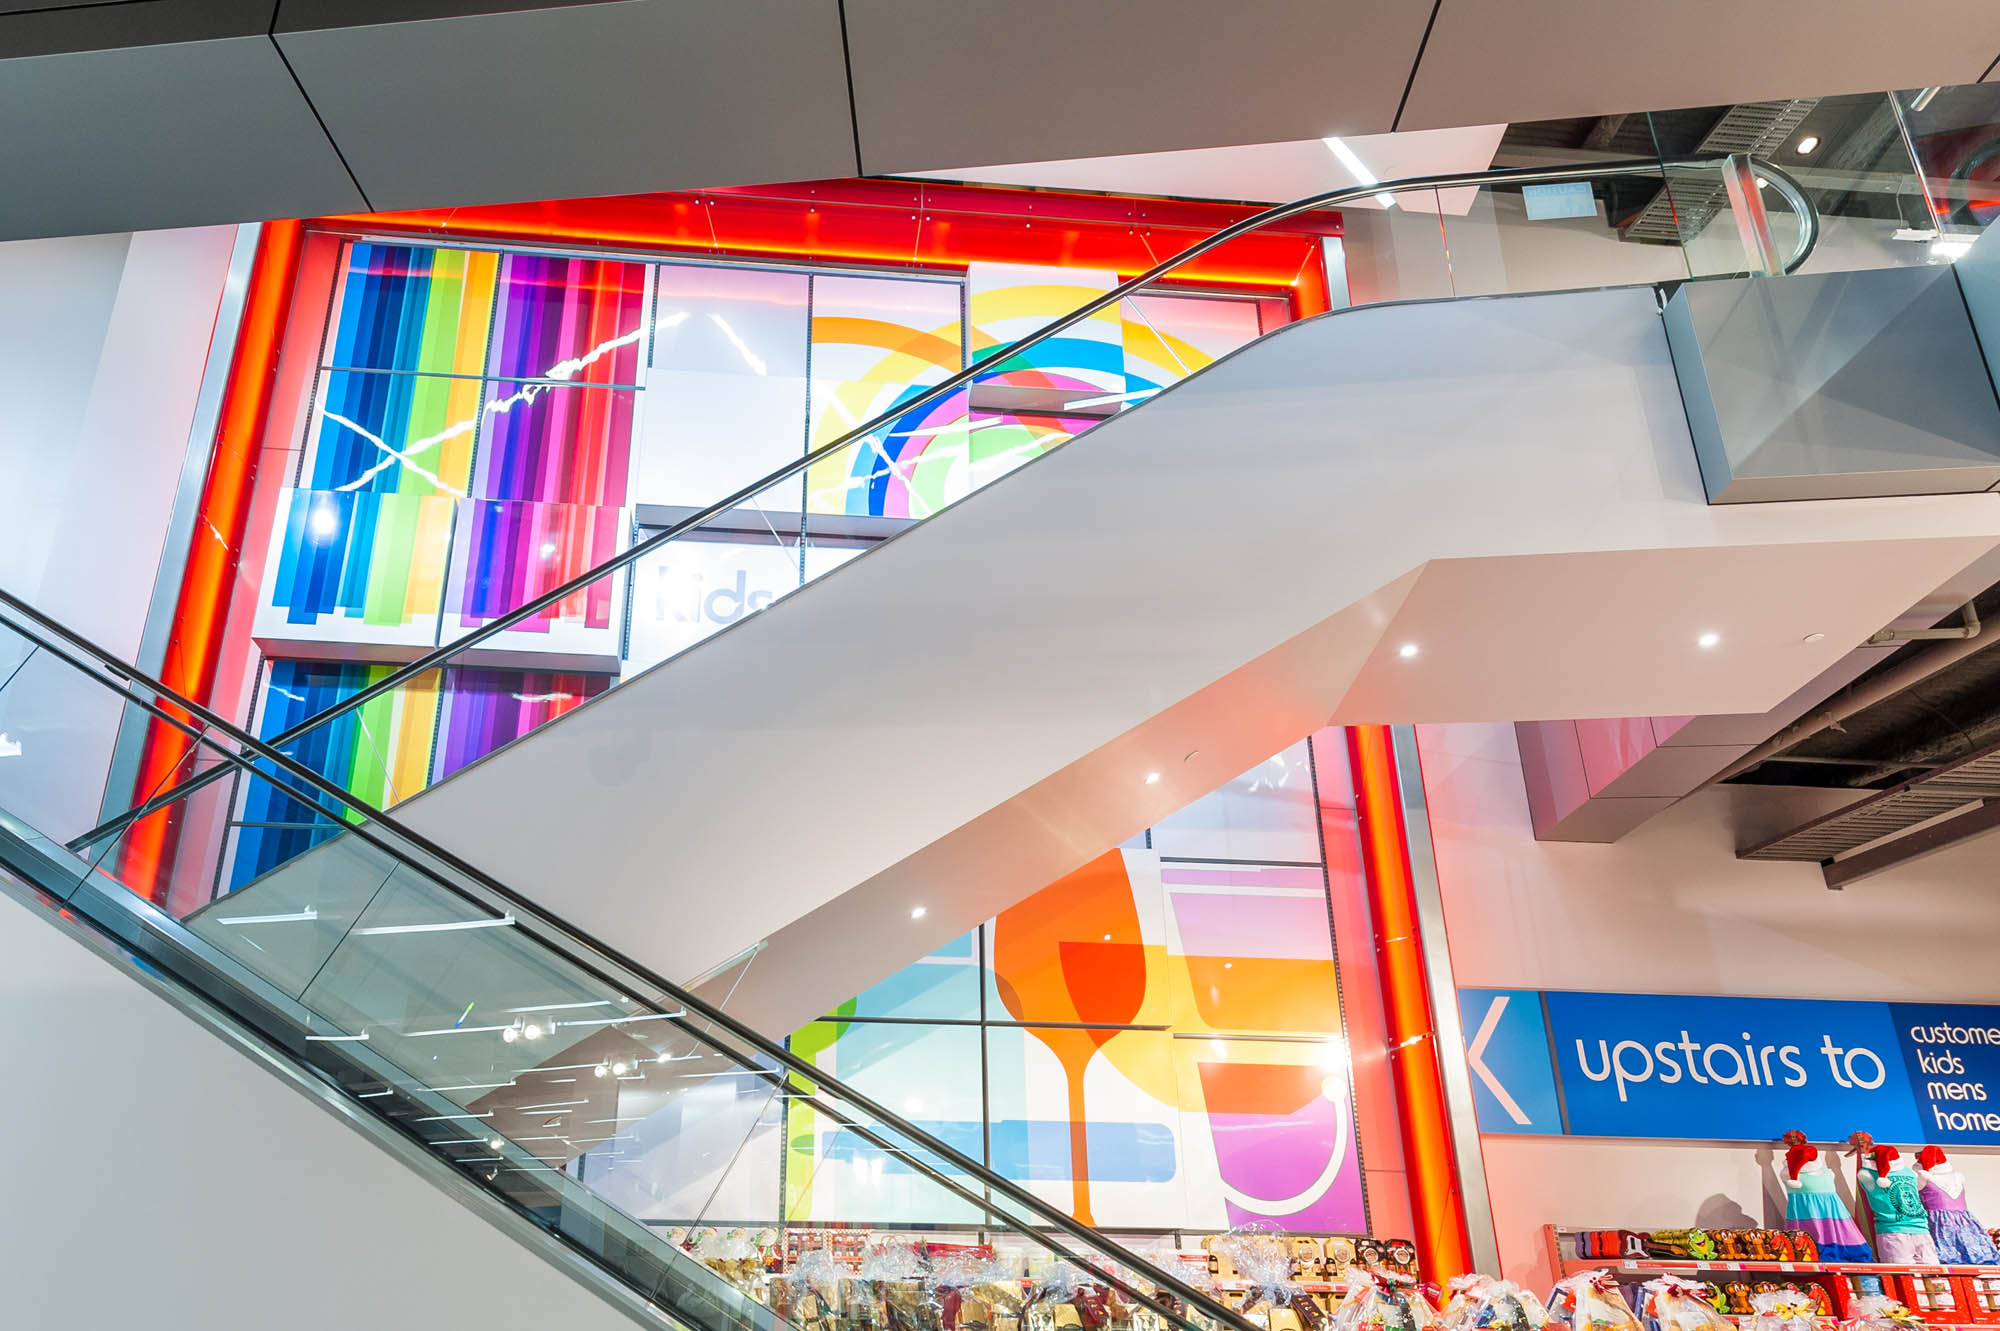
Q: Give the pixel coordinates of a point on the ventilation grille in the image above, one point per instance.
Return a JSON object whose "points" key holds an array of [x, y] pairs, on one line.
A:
{"points": [[1970, 781], [1691, 199]]}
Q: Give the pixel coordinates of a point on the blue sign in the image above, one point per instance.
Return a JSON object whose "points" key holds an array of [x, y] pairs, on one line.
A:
{"points": [[1507, 1050], [1738, 1069], [1951, 1055]]}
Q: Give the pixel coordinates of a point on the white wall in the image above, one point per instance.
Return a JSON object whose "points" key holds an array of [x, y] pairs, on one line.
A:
{"points": [[102, 344], [156, 1176], [1670, 909]]}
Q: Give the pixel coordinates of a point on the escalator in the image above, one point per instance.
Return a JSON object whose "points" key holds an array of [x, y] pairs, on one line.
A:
{"points": [[1028, 676], [487, 1046]]}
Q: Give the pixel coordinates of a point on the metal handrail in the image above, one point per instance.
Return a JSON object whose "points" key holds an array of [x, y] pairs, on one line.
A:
{"points": [[166, 701], [1527, 175]]}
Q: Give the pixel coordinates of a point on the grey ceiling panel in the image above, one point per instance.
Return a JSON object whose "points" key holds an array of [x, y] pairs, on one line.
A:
{"points": [[1547, 59], [939, 86], [199, 124], [588, 99]]}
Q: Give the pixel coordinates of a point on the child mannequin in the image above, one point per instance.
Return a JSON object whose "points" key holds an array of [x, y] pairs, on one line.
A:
{"points": [[1961, 1240], [1894, 1193], [1812, 1205]]}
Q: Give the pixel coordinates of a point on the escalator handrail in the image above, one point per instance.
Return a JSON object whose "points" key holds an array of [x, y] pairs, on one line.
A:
{"points": [[165, 701], [1525, 175]]}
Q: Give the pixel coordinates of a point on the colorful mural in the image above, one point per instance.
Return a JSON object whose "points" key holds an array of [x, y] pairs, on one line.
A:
{"points": [[506, 382], [1155, 1041]]}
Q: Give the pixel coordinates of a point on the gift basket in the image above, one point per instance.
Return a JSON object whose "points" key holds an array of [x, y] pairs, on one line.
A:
{"points": [[1389, 1300], [1670, 1303], [1780, 1310], [1878, 1312], [1482, 1303], [1591, 1301]]}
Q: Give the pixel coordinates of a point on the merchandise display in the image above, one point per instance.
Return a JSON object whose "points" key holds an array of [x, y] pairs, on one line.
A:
{"points": [[1895, 1201], [1591, 1301], [1961, 1240], [822, 1279], [1878, 1312], [1814, 1209], [1481, 1303], [1781, 1310], [1670, 1303], [1389, 1300]]}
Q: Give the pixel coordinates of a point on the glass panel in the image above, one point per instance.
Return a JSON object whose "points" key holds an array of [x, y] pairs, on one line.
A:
{"points": [[1086, 1119], [1088, 948], [412, 308], [878, 342], [941, 986], [1956, 134], [928, 1074], [1860, 178], [1267, 813], [486, 708], [1556, 237], [1269, 1134], [726, 396]]}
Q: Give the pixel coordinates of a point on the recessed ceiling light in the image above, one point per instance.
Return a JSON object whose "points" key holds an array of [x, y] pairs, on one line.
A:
{"points": [[1814, 637], [1107, 938], [1807, 144], [1709, 639], [1407, 650], [917, 913], [1152, 778]]}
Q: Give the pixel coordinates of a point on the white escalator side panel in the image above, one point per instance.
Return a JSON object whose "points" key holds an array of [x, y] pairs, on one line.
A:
{"points": [[158, 1177], [971, 710]]}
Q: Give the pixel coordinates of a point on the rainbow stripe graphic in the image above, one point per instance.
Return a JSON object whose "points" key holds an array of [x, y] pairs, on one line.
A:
{"points": [[358, 565], [485, 709], [381, 752], [511, 551]]}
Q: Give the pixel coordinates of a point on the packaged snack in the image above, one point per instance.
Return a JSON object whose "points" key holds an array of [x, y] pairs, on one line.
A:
{"points": [[1388, 1300], [1263, 1259], [1591, 1301], [1481, 1303], [1780, 1310], [1670, 1303], [1878, 1312]]}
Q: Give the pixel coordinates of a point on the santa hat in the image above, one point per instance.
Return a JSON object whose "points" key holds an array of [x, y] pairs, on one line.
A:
{"points": [[1930, 1157], [1799, 1156], [1885, 1158]]}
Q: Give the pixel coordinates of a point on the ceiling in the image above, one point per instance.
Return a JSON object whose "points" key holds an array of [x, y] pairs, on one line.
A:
{"points": [[151, 113]]}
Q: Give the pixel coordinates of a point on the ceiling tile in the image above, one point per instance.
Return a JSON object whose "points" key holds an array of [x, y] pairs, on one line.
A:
{"points": [[956, 85], [578, 100], [179, 133], [1546, 59]]}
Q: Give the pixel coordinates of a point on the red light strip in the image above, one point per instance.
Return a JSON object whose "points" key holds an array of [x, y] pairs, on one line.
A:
{"points": [[1443, 1245], [203, 605]]}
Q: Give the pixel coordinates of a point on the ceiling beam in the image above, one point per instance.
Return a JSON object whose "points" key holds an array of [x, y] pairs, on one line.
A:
{"points": [[1912, 846]]}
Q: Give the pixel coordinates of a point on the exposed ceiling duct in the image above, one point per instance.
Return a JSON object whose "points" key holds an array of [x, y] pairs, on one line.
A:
{"points": [[1917, 740]]}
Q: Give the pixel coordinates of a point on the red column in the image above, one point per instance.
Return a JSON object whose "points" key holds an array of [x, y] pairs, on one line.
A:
{"points": [[1443, 1245]]}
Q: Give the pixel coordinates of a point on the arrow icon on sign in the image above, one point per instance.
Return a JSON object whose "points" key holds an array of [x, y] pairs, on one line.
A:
{"points": [[1475, 1055]]}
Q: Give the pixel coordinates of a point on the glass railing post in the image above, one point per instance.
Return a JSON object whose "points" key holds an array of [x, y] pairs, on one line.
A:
{"points": [[1746, 205]]}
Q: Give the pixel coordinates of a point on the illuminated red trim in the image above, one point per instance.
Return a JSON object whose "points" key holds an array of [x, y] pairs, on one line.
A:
{"points": [[1436, 1207], [202, 608], [908, 224]]}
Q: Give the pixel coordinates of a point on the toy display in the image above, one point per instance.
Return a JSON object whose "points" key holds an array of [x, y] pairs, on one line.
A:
{"points": [[1814, 1209], [1960, 1239], [1591, 1301], [1895, 1199], [1481, 1303]]}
